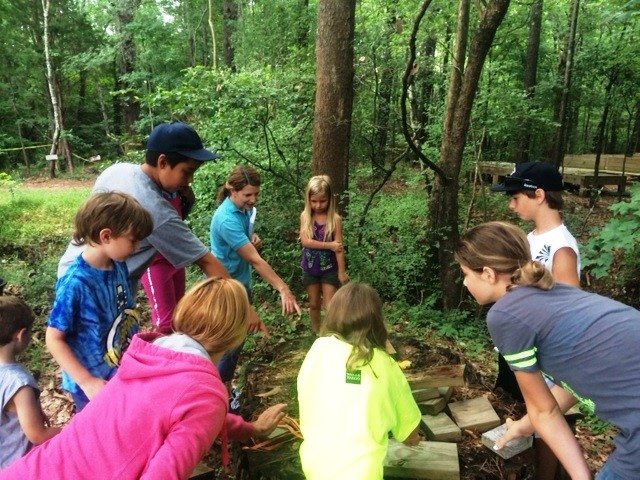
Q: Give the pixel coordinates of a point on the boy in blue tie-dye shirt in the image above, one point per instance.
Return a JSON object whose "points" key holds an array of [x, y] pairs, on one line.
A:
{"points": [[93, 316]]}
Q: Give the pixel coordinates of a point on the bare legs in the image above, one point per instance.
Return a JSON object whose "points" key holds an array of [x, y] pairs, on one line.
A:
{"points": [[319, 296]]}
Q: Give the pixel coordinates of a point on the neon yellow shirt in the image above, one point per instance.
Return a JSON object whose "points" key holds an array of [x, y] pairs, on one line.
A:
{"points": [[345, 420]]}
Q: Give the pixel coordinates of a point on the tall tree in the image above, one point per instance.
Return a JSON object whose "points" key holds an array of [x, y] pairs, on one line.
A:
{"points": [[229, 19], [126, 61], [530, 74], [562, 109], [58, 144], [334, 90], [463, 85]]}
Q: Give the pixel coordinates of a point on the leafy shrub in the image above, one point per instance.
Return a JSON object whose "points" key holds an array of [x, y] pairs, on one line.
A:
{"points": [[619, 239]]}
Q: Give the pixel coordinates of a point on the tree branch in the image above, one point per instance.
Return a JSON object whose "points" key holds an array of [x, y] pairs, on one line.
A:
{"points": [[406, 80]]}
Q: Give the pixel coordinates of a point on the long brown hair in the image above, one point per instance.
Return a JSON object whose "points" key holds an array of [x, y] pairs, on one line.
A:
{"points": [[504, 248], [355, 315], [240, 177]]}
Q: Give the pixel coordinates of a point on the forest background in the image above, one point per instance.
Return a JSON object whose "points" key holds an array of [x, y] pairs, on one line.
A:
{"points": [[423, 91]]}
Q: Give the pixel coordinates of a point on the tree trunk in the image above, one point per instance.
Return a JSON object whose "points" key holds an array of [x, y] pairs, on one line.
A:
{"points": [[423, 87], [634, 138], [334, 91], [303, 23], [129, 106], [212, 31], [53, 98], [530, 74], [600, 139], [229, 18], [382, 105], [559, 139], [443, 204]]}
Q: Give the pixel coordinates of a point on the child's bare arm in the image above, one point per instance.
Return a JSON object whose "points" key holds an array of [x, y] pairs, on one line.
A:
{"points": [[67, 360], [340, 259], [32, 420], [413, 438], [565, 267], [307, 242]]}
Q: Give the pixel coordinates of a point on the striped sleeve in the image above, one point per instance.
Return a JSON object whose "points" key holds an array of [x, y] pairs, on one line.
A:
{"points": [[514, 339]]}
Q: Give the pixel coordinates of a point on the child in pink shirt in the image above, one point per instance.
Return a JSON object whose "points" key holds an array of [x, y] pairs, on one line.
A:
{"points": [[165, 406]]}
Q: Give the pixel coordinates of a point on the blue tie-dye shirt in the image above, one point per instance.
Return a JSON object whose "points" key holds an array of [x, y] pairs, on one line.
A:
{"points": [[93, 308]]}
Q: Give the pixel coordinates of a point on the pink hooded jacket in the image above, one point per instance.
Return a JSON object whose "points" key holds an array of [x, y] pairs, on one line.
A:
{"points": [[154, 419]]}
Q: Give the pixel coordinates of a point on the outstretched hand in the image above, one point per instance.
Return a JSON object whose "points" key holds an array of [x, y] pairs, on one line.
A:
{"points": [[268, 420], [289, 303], [514, 429]]}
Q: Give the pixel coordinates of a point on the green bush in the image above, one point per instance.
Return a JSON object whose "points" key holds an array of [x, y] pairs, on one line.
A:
{"points": [[617, 243]]}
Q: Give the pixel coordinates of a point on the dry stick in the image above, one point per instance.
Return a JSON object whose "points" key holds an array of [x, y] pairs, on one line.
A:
{"points": [[475, 178], [584, 224], [406, 79]]}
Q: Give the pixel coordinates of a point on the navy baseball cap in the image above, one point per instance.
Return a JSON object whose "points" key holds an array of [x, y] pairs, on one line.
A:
{"points": [[178, 137], [531, 176]]}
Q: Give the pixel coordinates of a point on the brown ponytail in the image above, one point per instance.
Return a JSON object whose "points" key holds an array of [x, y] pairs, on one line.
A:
{"points": [[239, 178], [504, 248]]}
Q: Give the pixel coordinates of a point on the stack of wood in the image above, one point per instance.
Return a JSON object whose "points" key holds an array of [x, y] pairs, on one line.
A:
{"points": [[443, 423]]}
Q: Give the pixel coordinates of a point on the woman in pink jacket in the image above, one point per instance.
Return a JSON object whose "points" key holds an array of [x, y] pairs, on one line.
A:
{"points": [[161, 412]]}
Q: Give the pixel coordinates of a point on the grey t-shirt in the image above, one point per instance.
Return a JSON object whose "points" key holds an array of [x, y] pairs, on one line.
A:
{"points": [[586, 342], [171, 236], [13, 442]]}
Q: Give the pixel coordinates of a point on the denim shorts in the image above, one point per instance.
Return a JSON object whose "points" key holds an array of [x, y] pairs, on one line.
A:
{"points": [[330, 278], [606, 473]]}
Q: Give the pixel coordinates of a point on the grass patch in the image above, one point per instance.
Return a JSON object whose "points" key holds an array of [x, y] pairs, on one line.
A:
{"points": [[33, 217]]}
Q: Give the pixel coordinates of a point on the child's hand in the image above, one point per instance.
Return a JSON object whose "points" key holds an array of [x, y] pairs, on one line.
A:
{"points": [[515, 429], [92, 386], [268, 420], [336, 246], [343, 277], [256, 325]]}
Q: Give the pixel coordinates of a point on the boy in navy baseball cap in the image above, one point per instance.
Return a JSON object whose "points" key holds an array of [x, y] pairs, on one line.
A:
{"points": [[535, 190], [174, 152]]}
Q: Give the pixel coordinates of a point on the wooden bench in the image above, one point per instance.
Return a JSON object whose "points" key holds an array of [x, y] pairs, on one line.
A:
{"points": [[583, 178]]}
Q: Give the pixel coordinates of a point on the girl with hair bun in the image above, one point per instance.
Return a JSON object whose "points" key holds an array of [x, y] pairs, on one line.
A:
{"points": [[588, 344]]}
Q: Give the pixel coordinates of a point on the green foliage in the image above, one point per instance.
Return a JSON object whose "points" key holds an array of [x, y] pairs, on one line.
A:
{"points": [[620, 238]]}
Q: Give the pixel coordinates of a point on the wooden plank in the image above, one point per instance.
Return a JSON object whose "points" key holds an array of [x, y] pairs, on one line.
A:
{"points": [[423, 394], [511, 449], [441, 428], [202, 472], [440, 376], [475, 414], [435, 405], [427, 460]]}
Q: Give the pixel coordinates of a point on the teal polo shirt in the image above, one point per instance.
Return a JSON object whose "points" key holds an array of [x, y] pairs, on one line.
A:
{"points": [[229, 232]]}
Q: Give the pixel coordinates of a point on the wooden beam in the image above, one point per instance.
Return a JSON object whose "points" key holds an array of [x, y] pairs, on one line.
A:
{"points": [[475, 414], [441, 428], [427, 460], [423, 394], [434, 406], [440, 376]]}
